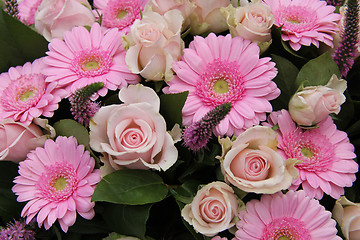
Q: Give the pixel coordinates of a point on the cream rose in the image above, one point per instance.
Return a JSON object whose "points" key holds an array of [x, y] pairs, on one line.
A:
{"points": [[252, 21], [54, 17], [207, 17], [252, 164], [186, 7], [17, 139], [347, 214], [153, 43], [313, 104], [212, 210], [133, 134]]}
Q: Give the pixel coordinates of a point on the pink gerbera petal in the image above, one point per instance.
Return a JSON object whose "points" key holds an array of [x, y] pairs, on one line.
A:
{"points": [[320, 150], [56, 189], [288, 216], [304, 22], [23, 92], [85, 57], [119, 14], [215, 70]]}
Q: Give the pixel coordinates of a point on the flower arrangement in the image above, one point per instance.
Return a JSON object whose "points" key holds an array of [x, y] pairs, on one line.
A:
{"points": [[179, 119]]}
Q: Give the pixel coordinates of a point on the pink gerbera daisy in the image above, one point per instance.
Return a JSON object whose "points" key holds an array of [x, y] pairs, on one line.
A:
{"points": [[119, 14], [326, 154], [58, 181], [25, 95], [217, 70], [292, 216], [305, 22], [85, 57], [27, 9]]}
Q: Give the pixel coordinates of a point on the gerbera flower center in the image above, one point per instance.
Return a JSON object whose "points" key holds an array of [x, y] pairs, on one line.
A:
{"points": [[120, 14], [221, 82], [311, 147], [58, 182], [26, 95], [221, 86], [296, 18], [91, 63], [307, 152], [23, 93], [286, 228]]}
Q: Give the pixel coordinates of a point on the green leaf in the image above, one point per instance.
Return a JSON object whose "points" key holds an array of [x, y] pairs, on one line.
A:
{"points": [[18, 43], [9, 207], [171, 107], [317, 71], [285, 80], [133, 187], [354, 129], [186, 192], [93, 226], [69, 127], [127, 220], [343, 119]]}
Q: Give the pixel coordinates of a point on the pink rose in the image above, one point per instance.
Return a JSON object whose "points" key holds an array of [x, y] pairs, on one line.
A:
{"points": [[54, 17], [313, 104], [252, 21], [252, 164], [154, 43], [212, 210], [133, 134], [347, 214], [17, 139], [207, 17], [186, 7]]}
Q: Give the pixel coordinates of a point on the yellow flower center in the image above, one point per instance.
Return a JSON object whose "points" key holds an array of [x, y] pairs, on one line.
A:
{"points": [[221, 86], [284, 238], [121, 14], [91, 65], [307, 152], [60, 183], [26, 95], [294, 20]]}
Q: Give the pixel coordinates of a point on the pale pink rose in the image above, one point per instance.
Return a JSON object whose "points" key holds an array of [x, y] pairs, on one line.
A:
{"points": [[154, 43], [252, 164], [212, 210], [17, 139], [252, 21], [313, 104], [207, 17], [133, 134], [54, 17], [347, 214], [186, 7]]}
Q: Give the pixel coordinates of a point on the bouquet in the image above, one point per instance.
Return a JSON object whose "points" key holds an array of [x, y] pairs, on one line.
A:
{"points": [[179, 119]]}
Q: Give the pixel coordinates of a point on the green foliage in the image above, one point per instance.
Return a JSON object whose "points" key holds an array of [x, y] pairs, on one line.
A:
{"points": [[186, 192], [285, 80], [317, 71], [171, 107], [133, 187], [69, 127], [9, 207], [127, 220], [18, 43]]}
